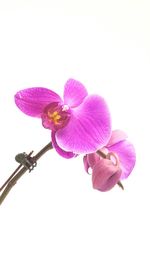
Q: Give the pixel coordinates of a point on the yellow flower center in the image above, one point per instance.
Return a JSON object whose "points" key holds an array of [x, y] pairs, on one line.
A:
{"points": [[55, 117]]}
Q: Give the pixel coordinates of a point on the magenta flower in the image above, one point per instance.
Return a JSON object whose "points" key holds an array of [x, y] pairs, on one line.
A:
{"points": [[79, 123], [118, 164]]}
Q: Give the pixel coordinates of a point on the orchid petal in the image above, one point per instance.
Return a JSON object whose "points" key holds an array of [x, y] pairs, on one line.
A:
{"points": [[86, 164], [116, 136], [32, 101], [74, 93], [92, 158], [126, 154], [89, 127], [105, 175], [60, 151]]}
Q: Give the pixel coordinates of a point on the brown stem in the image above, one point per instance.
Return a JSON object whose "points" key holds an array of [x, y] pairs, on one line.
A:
{"points": [[16, 175], [101, 154], [10, 177]]}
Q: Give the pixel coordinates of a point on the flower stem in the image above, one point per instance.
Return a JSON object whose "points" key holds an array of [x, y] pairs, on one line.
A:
{"points": [[16, 175], [101, 154], [20, 171]]}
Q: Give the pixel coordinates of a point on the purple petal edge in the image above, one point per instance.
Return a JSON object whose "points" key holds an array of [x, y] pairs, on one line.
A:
{"points": [[127, 156], [74, 93], [116, 137], [33, 100], [60, 151]]}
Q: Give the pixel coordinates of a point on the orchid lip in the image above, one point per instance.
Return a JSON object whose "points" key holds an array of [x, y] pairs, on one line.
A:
{"points": [[55, 116]]}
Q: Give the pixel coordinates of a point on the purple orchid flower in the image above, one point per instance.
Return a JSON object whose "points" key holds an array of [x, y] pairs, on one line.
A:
{"points": [[107, 172], [79, 123]]}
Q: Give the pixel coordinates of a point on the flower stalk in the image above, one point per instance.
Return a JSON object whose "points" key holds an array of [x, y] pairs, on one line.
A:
{"points": [[20, 171]]}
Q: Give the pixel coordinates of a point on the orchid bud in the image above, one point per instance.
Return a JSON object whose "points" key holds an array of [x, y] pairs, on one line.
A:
{"points": [[105, 175]]}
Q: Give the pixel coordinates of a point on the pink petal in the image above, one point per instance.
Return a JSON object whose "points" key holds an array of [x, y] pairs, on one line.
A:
{"points": [[60, 151], [105, 175], [92, 158], [86, 164], [89, 127], [116, 136], [32, 101], [74, 93], [126, 154]]}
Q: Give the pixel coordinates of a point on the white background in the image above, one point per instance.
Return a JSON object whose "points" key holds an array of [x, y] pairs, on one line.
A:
{"points": [[53, 217]]}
